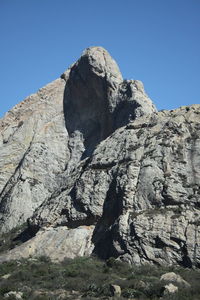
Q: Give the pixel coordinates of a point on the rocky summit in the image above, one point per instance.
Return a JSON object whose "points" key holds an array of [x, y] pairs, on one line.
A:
{"points": [[93, 168]]}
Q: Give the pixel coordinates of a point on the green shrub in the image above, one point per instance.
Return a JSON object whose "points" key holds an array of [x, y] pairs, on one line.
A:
{"points": [[7, 267], [131, 293], [92, 277]]}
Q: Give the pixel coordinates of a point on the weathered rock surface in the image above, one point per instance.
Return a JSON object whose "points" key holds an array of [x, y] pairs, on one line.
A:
{"points": [[13, 295], [169, 289], [174, 278], [115, 290], [33, 153], [91, 150], [55, 243]]}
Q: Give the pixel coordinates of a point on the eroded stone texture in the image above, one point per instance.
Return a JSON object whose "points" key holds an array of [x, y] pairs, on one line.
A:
{"points": [[141, 190], [33, 153], [57, 243], [111, 161]]}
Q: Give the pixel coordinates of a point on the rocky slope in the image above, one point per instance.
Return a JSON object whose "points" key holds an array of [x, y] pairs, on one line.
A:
{"points": [[96, 169]]}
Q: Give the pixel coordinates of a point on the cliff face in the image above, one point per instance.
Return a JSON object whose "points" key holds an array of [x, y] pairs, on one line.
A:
{"points": [[96, 169]]}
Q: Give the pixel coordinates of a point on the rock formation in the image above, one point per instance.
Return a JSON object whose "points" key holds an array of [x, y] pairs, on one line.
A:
{"points": [[96, 169]]}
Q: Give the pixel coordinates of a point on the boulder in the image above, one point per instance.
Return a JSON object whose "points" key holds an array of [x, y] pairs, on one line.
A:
{"points": [[175, 279], [115, 290], [6, 276], [170, 289], [14, 294]]}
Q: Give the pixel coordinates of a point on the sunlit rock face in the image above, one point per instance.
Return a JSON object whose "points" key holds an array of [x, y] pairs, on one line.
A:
{"points": [[88, 158]]}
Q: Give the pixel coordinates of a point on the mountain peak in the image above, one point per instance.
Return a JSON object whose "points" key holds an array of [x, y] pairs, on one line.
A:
{"points": [[91, 166], [102, 62]]}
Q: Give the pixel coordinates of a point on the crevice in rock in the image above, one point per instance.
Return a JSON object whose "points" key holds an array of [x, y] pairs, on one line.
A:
{"points": [[26, 234], [167, 199], [105, 233], [137, 239], [159, 243], [88, 221], [186, 261]]}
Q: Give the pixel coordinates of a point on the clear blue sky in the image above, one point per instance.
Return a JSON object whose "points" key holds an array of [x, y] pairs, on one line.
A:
{"points": [[156, 41]]}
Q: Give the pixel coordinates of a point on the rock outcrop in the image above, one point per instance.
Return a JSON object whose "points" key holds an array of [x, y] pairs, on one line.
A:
{"points": [[90, 154], [33, 154]]}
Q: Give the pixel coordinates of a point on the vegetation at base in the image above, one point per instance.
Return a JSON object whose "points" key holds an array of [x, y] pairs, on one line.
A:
{"points": [[91, 278]]}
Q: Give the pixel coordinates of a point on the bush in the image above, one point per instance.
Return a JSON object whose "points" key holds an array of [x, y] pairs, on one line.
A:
{"points": [[92, 278], [131, 293], [117, 266]]}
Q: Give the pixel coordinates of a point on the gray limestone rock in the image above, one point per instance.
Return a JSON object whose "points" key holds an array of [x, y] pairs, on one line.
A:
{"points": [[97, 101], [33, 154], [91, 151], [13, 295], [115, 290], [56, 243], [174, 278], [169, 289]]}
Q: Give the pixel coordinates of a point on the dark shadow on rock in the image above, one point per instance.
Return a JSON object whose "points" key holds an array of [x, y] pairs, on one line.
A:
{"points": [[95, 105], [27, 234], [106, 230], [86, 106]]}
